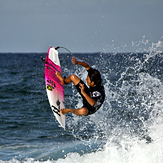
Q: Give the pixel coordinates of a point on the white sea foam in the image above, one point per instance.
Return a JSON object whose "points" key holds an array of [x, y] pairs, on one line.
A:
{"points": [[127, 151]]}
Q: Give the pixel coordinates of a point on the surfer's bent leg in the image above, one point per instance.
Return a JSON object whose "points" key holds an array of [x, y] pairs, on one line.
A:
{"points": [[72, 78], [79, 112]]}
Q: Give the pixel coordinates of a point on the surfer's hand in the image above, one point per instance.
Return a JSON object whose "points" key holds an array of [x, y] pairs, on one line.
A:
{"points": [[74, 61], [82, 88]]}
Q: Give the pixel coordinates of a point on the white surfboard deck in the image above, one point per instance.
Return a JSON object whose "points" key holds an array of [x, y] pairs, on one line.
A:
{"points": [[54, 88]]}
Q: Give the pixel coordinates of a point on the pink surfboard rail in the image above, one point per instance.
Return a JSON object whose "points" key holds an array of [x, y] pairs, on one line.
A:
{"points": [[54, 88]]}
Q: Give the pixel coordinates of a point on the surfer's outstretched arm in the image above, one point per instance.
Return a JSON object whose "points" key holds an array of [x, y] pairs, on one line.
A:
{"points": [[84, 64]]}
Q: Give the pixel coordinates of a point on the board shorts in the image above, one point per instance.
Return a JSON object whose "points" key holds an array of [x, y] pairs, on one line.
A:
{"points": [[90, 108]]}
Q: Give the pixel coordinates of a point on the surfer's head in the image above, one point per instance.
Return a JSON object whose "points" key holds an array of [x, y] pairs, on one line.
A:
{"points": [[93, 78]]}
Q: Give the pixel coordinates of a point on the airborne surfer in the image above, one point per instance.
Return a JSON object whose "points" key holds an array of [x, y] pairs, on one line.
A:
{"points": [[93, 95]]}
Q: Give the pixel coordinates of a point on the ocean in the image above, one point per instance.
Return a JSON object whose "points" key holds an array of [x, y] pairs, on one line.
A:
{"points": [[128, 128]]}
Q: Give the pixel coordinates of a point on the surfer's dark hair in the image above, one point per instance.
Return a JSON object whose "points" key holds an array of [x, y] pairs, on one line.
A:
{"points": [[95, 76]]}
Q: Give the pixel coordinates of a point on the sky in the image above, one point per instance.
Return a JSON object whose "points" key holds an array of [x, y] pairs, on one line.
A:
{"points": [[80, 25]]}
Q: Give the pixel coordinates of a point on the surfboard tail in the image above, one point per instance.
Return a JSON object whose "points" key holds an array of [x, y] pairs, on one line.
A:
{"points": [[61, 120]]}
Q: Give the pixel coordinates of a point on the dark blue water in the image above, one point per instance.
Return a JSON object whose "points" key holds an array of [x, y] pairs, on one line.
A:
{"points": [[128, 127]]}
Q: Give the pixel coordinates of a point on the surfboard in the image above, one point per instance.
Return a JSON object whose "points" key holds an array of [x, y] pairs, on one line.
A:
{"points": [[54, 88]]}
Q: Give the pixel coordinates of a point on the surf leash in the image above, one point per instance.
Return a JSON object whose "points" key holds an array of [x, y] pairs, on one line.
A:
{"points": [[72, 53]]}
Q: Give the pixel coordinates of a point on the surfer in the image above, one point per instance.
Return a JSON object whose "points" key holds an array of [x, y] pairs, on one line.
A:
{"points": [[93, 95]]}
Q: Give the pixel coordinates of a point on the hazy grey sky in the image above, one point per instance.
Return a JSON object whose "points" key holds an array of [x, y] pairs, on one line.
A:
{"points": [[79, 25]]}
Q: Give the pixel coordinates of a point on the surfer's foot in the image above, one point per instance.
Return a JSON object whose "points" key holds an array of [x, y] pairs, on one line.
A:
{"points": [[59, 75], [65, 111]]}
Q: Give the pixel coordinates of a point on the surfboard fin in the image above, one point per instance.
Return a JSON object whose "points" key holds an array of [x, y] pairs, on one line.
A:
{"points": [[43, 59]]}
